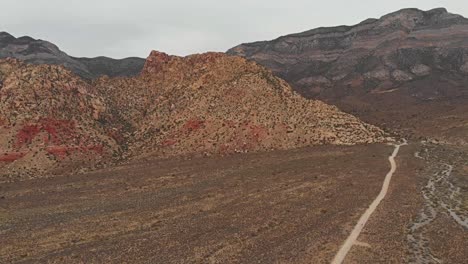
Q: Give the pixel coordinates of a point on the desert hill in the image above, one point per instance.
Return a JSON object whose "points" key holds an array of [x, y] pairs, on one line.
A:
{"points": [[49, 118], [215, 104]]}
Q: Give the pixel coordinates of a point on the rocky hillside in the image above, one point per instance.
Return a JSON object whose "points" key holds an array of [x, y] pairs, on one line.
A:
{"points": [[50, 121], [42, 52], [387, 71], [213, 103]]}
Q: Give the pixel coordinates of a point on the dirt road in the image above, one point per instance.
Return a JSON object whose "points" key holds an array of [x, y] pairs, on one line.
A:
{"points": [[352, 238]]}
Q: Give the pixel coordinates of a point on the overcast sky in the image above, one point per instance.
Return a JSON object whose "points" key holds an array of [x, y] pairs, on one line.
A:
{"points": [[122, 28]]}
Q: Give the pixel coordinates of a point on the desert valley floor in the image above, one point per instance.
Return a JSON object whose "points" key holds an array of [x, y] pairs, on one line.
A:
{"points": [[295, 206]]}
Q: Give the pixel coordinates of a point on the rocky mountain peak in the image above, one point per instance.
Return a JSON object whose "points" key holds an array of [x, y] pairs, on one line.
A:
{"points": [[5, 35], [155, 62], [413, 17], [415, 12]]}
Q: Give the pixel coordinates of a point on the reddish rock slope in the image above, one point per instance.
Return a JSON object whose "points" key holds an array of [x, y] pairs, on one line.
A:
{"points": [[54, 122], [50, 120], [214, 103]]}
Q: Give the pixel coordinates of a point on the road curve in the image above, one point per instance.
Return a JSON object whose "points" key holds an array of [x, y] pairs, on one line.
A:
{"points": [[352, 238]]}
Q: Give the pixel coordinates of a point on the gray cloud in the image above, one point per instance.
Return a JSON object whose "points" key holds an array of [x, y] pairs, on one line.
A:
{"points": [[119, 28]]}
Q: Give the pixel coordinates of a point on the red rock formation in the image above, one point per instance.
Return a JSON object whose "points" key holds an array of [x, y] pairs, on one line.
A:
{"points": [[201, 104], [48, 116], [155, 62], [213, 103]]}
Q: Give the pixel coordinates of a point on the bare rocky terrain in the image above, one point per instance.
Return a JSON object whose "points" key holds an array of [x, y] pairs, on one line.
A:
{"points": [[405, 72], [218, 104]]}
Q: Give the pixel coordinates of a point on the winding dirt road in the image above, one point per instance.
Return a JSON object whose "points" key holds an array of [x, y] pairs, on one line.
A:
{"points": [[352, 238]]}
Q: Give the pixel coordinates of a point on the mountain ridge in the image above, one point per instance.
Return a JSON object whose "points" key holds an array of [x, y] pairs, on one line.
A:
{"points": [[39, 51], [345, 28], [407, 63]]}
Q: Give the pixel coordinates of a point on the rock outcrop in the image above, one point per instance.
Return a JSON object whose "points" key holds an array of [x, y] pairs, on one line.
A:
{"points": [[38, 51], [50, 121]]}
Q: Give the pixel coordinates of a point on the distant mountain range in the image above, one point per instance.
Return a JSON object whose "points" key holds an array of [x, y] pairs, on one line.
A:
{"points": [[405, 71], [38, 51], [374, 55]]}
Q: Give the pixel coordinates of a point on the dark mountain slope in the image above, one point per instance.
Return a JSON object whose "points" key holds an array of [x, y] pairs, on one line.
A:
{"points": [[111, 67], [42, 52], [398, 71]]}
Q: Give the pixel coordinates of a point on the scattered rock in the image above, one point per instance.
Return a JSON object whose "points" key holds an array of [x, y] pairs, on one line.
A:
{"points": [[381, 75], [463, 68], [421, 70], [401, 76], [317, 80]]}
